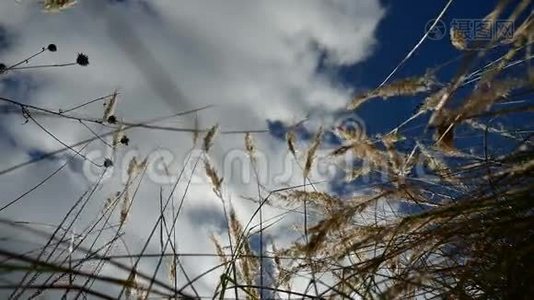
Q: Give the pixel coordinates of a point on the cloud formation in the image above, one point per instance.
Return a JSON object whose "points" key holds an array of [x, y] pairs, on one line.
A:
{"points": [[253, 60]]}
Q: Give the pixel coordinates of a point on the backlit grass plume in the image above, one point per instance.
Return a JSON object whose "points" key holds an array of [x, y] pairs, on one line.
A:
{"points": [[403, 87], [208, 138], [57, 5], [310, 154]]}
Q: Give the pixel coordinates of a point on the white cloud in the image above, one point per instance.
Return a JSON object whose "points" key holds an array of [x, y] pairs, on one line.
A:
{"points": [[253, 60]]}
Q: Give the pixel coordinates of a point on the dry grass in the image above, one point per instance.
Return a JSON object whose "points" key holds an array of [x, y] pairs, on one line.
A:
{"points": [[470, 237], [57, 5]]}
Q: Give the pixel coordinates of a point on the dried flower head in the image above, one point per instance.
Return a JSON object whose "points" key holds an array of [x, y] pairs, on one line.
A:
{"points": [[52, 48], [111, 119], [108, 163], [82, 59], [124, 140], [2, 68]]}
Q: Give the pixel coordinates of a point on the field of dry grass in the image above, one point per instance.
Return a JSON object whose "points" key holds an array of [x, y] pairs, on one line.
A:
{"points": [[468, 232]]}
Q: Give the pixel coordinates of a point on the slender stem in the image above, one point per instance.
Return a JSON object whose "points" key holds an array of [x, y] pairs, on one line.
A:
{"points": [[25, 60], [44, 66]]}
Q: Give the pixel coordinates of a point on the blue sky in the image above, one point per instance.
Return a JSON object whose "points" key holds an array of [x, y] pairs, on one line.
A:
{"points": [[398, 33], [402, 27], [253, 61]]}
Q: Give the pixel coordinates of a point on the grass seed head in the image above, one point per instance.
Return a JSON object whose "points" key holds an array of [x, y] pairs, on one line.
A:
{"points": [[249, 145], [290, 138], [208, 138], [458, 39], [110, 106], [216, 181], [57, 5], [310, 156], [404, 87]]}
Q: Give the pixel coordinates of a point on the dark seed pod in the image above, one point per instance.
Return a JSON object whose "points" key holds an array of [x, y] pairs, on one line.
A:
{"points": [[82, 59], [125, 140], [108, 163]]}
